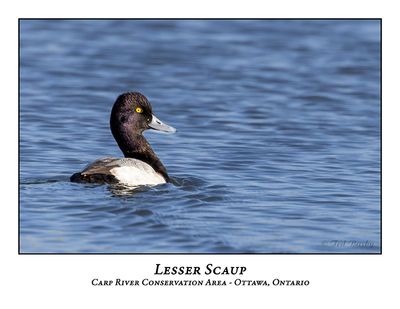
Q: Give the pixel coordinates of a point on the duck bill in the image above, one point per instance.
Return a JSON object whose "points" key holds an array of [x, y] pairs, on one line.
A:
{"points": [[158, 125]]}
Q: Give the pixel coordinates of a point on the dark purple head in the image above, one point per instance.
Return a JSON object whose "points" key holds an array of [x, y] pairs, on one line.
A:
{"points": [[132, 114]]}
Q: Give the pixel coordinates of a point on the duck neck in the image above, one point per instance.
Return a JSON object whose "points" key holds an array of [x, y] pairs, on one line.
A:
{"points": [[137, 147]]}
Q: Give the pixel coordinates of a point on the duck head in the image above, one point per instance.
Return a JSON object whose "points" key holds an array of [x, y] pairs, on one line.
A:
{"points": [[132, 113]]}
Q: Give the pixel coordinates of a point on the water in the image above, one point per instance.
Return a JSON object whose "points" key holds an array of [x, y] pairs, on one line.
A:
{"points": [[277, 149]]}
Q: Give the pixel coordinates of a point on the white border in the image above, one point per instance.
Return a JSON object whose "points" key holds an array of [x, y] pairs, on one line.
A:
{"points": [[64, 281]]}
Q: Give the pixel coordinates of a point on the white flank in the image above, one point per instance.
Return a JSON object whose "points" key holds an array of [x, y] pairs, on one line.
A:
{"points": [[138, 174]]}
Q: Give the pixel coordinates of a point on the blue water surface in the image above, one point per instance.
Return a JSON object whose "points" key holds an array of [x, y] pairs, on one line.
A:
{"points": [[277, 148]]}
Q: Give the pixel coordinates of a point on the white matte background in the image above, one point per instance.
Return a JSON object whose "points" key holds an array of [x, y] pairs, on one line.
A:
{"points": [[64, 281]]}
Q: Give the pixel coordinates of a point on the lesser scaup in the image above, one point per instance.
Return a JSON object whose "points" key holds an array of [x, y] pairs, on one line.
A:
{"points": [[130, 116]]}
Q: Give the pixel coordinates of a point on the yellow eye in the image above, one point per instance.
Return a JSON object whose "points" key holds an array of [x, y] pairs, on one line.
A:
{"points": [[139, 110]]}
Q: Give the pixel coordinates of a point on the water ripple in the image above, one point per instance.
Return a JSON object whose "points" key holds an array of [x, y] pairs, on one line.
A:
{"points": [[277, 148]]}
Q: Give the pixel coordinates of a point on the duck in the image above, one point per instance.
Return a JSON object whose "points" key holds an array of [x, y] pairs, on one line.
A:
{"points": [[131, 115]]}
